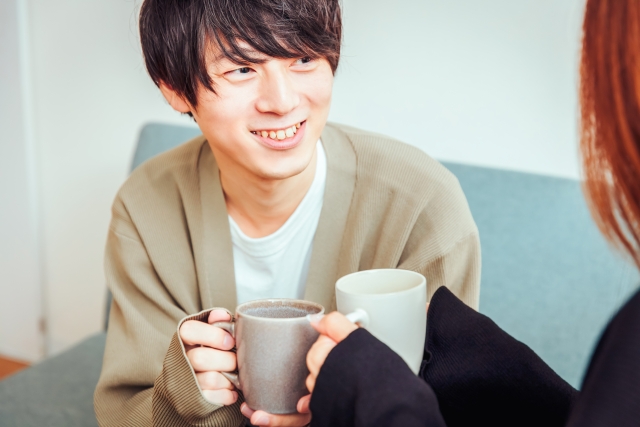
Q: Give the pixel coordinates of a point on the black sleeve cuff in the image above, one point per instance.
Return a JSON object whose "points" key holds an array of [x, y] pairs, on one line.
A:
{"points": [[364, 383]]}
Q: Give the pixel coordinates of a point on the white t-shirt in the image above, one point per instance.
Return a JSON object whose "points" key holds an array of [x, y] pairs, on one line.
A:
{"points": [[277, 265]]}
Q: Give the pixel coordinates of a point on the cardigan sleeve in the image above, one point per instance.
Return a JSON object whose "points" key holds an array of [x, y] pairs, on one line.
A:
{"points": [[456, 268], [146, 378], [444, 243]]}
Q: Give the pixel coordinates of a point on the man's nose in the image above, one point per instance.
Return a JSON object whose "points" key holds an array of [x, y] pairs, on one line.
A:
{"points": [[278, 94]]}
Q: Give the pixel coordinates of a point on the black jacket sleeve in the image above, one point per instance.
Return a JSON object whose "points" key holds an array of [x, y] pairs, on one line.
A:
{"points": [[483, 376], [364, 383], [475, 374]]}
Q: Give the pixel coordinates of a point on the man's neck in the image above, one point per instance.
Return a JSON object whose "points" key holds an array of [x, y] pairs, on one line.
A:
{"points": [[261, 206]]}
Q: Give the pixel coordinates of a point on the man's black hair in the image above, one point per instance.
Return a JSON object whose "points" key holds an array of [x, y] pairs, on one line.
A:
{"points": [[176, 35]]}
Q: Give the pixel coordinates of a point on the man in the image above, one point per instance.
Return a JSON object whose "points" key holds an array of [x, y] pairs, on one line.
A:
{"points": [[270, 202]]}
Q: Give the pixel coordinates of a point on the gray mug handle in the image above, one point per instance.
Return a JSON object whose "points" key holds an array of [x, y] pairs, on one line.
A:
{"points": [[231, 328], [227, 326]]}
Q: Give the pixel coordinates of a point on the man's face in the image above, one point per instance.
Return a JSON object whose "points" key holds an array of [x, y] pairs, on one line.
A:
{"points": [[265, 118]]}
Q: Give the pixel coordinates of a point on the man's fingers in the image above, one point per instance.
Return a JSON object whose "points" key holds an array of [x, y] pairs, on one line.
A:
{"points": [[213, 380], [246, 411], [205, 359], [221, 397], [218, 315], [193, 332], [261, 418], [303, 404]]}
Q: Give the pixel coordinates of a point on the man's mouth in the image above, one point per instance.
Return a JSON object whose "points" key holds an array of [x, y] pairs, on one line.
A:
{"points": [[279, 134]]}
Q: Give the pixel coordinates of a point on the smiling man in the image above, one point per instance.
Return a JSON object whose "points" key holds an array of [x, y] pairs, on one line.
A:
{"points": [[271, 201]]}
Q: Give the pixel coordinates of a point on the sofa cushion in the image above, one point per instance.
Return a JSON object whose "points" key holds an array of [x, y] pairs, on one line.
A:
{"points": [[57, 392]]}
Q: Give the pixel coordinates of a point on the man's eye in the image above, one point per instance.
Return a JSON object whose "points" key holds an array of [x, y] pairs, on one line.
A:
{"points": [[240, 71], [304, 60]]}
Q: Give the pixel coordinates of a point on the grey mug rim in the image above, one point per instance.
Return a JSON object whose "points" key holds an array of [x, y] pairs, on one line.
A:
{"points": [[423, 282], [277, 319]]}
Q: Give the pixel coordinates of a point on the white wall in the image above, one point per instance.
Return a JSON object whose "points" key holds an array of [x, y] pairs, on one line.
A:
{"points": [[485, 82], [92, 96], [20, 284], [489, 82]]}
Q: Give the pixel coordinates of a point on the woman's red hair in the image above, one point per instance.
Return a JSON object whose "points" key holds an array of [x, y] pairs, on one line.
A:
{"points": [[610, 119]]}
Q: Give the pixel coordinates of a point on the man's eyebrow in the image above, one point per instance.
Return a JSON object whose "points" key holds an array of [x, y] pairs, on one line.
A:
{"points": [[255, 55]]}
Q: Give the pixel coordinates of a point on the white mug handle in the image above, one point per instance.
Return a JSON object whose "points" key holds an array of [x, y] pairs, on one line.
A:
{"points": [[359, 316]]}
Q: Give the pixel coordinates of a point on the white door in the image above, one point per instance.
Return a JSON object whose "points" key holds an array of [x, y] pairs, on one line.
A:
{"points": [[21, 325]]}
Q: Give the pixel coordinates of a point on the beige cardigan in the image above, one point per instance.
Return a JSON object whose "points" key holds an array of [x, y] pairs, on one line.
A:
{"points": [[169, 258]]}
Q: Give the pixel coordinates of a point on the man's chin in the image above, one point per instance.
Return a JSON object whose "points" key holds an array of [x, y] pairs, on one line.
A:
{"points": [[284, 168], [279, 175]]}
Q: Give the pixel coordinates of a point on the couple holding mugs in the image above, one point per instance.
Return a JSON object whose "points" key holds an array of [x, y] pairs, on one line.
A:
{"points": [[273, 202], [273, 336]]}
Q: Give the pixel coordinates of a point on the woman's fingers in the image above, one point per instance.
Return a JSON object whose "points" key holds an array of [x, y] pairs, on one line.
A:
{"points": [[316, 357], [193, 332], [310, 383], [205, 359], [213, 380], [318, 353], [333, 328], [335, 325], [221, 397]]}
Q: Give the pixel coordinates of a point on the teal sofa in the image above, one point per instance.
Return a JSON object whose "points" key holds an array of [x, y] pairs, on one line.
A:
{"points": [[548, 278]]}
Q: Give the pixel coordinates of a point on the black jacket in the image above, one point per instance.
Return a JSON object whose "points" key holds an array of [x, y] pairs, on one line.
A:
{"points": [[475, 374]]}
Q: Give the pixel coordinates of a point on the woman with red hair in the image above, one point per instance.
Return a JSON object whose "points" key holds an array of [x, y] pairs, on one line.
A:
{"points": [[476, 374]]}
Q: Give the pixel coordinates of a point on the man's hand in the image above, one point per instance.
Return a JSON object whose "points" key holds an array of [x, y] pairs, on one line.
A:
{"points": [[208, 352], [333, 328], [263, 419]]}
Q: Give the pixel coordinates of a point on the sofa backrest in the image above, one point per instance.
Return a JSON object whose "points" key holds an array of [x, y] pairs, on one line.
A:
{"points": [[156, 138], [548, 277]]}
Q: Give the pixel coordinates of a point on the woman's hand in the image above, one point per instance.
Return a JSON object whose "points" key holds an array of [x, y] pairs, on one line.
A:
{"points": [[333, 328], [207, 348]]}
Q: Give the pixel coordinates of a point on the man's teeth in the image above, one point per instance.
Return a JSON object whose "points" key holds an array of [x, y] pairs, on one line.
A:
{"points": [[279, 134]]}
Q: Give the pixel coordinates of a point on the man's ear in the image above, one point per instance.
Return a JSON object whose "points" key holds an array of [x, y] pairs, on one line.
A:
{"points": [[175, 100]]}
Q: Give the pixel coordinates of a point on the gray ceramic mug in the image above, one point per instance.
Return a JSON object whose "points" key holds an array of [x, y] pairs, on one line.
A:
{"points": [[273, 337]]}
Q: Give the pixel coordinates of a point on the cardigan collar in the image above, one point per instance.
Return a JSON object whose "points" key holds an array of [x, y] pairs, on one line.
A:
{"points": [[219, 289]]}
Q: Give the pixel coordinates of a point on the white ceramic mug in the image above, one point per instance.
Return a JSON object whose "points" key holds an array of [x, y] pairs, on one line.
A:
{"points": [[391, 304]]}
